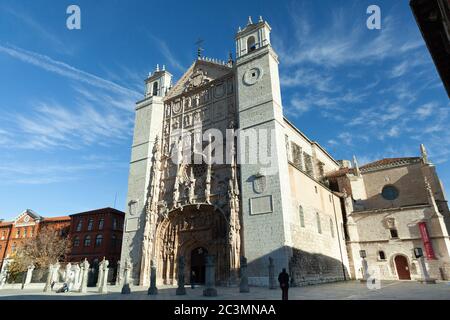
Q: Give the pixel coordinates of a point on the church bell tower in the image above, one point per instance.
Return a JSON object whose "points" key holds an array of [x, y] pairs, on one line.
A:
{"points": [[265, 185], [148, 125]]}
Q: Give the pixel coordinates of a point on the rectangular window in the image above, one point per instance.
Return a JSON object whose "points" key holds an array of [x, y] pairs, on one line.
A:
{"points": [[297, 158], [308, 164], [302, 216], [394, 233]]}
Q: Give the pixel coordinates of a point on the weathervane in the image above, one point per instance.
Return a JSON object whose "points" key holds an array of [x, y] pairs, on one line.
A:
{"points": [[199, 44]]}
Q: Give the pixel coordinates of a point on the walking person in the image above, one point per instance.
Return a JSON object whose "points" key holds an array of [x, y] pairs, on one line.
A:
{"points": [[283, 279]]}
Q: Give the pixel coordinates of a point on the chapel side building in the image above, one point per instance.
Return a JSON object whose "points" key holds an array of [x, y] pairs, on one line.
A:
{"points": [[237, 208], [392, 207]]}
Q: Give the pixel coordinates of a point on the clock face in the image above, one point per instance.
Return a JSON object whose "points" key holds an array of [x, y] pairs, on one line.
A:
{"points": [[252, 76]]}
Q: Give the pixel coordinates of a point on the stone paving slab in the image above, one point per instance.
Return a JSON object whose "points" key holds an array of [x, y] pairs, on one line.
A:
{"points": [[350, 290]]}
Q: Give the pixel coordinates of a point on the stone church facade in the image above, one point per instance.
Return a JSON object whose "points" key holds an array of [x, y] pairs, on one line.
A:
{"points": [[279, 207]]}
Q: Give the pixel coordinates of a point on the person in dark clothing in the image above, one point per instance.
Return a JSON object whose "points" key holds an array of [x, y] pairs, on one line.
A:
{"points": [[283, 279], [192, 280]]}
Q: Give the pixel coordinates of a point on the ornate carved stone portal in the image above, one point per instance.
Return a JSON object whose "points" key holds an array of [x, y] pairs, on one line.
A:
{"points": [[186, 230], [192, 204]]}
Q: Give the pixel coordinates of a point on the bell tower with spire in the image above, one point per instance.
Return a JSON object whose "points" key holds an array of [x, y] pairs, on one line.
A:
{"points": [[147, 127], [265, 184]]}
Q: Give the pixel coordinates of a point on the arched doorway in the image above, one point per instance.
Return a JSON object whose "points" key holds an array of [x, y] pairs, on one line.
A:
{"points": [[198, 256], [402, 266], [182, 233]]}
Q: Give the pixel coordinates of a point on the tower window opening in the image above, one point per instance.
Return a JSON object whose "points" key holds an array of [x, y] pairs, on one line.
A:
{"points": [[251, 44], [155, 88]]}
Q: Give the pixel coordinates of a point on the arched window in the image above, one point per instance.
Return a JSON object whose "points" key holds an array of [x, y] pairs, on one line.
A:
{"points": [[101, 223], [331, 228], [98, 240], [381, 255], [76, 242], [18, 233], [79, 225], [114, 241], [155, 88], [319, 226], [90, 224], [13, 247], [251, 45], [114, 223], [87, 241], [302, 216]]}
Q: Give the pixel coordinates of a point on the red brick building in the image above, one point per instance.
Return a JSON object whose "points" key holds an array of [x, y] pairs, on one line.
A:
{"points": [[95, 234], [25, 226]]}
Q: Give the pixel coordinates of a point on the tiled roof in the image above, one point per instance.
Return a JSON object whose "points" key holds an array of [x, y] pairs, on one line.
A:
{"points": [[5, 224], [339, 173], [389, 163], [103, 210], [65, 218]]}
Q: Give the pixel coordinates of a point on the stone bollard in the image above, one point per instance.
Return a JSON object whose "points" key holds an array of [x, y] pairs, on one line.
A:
{"points": [[84, 276], [426, 276], [118, 274], [48, 283], [126, 280], [243, 285], [272, 282], [67, 272], [100, 274], [365, 270], [103, 288], [181, 290], [153, 290], [210, 278], [56, 273], [29, 274], [76, 278]]}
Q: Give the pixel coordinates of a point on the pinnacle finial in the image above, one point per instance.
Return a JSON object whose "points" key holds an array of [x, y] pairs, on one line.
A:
{"points": [[424, 153], [249, 20], [260, 19], [157, 67], [239, 29], [230, 59], [356, 167], [164, 67]]}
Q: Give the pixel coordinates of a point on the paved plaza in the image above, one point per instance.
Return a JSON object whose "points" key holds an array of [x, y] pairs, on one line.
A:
{"points": [[350, 290]]}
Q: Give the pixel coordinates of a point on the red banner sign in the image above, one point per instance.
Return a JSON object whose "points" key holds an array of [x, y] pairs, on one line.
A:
{"points": [[426, 241]]}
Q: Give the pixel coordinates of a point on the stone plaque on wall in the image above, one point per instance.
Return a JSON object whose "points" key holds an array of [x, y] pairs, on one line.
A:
{"points": [[132, 225], [261, 205]]}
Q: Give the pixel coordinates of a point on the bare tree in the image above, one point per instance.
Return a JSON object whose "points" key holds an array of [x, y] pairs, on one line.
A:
{"points": [[48, 247]]}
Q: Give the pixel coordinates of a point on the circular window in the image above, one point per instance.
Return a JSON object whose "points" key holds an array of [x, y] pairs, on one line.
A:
{"points": [[390, 193]]}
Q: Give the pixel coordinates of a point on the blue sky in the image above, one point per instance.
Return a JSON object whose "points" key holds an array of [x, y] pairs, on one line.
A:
{"points": [[67, 97]]}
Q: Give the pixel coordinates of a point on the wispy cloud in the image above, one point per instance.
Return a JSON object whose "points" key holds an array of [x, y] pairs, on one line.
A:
{"points": [[65, 70], [162, 46], [344, 41], [52, 125], [27, 173], [38, 29]]}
